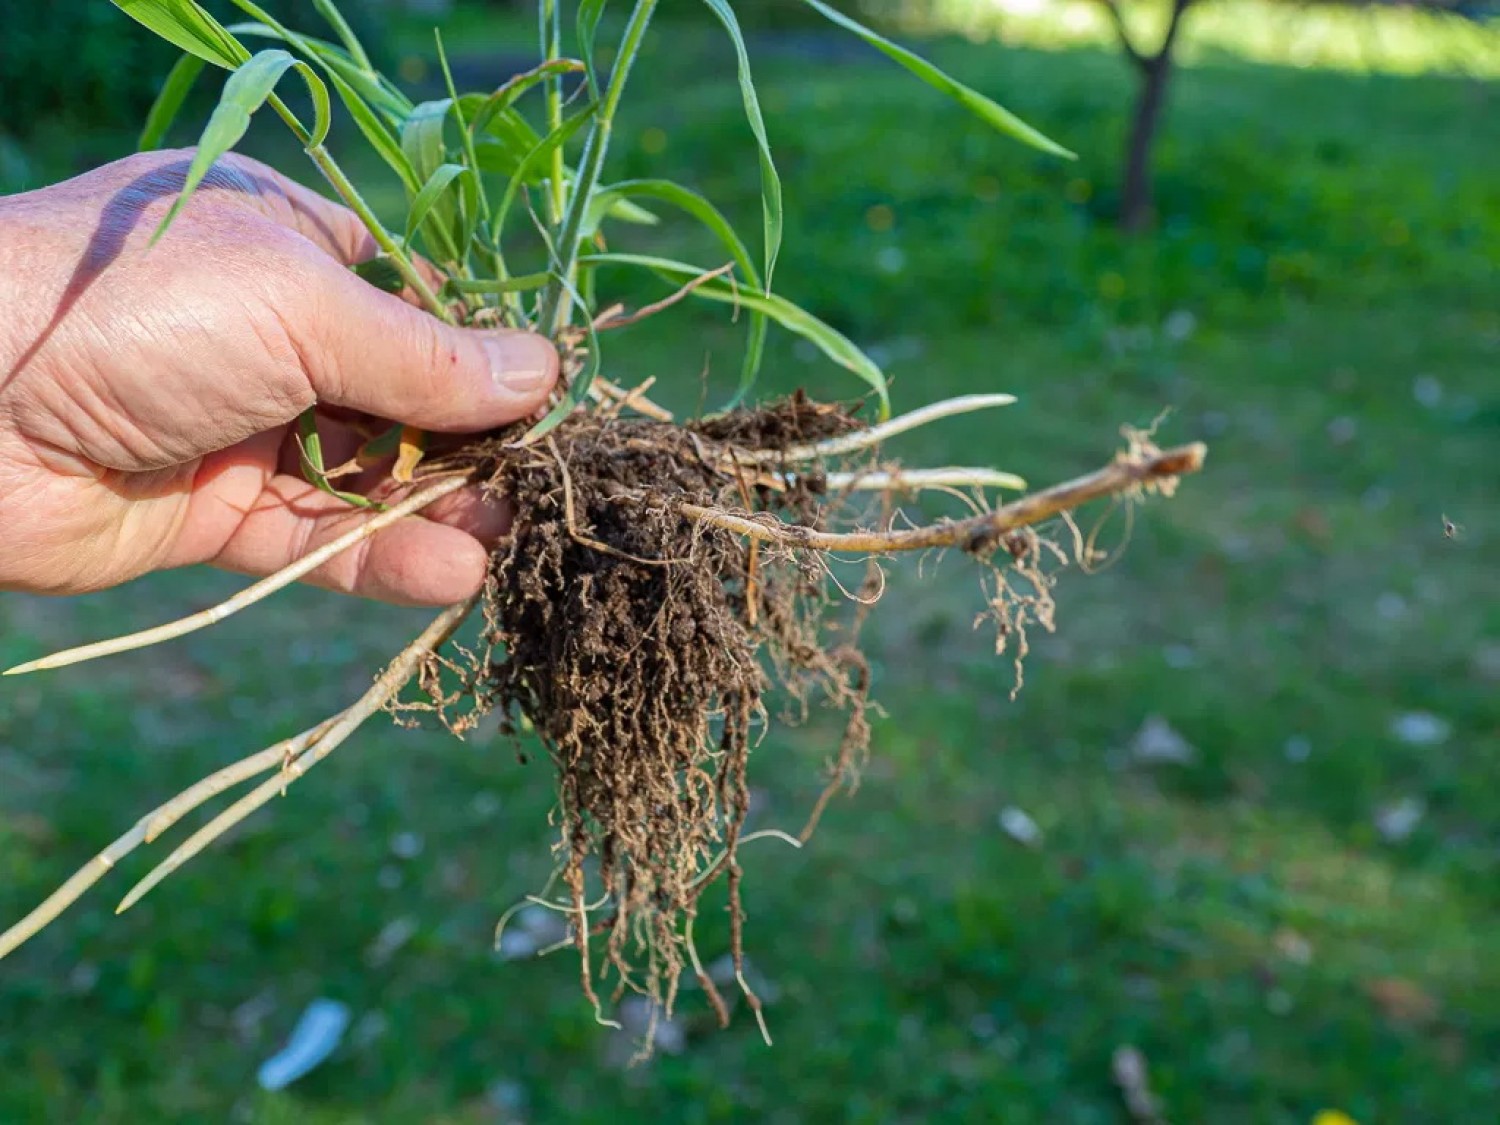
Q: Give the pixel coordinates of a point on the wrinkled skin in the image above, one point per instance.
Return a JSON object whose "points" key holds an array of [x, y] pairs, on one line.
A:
{"points": [[145, 393]]}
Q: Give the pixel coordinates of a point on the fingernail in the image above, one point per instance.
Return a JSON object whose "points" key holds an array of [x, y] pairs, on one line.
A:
{"points": [[521, 362]]}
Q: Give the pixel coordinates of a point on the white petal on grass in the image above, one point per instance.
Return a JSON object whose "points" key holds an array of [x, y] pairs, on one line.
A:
{"points": [[1158, 742], [1421, 728]]}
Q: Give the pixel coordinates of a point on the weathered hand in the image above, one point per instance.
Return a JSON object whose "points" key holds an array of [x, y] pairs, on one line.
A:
{"points": [[145, 393]]}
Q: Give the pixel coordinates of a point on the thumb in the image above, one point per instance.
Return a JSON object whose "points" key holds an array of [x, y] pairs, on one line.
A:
{"points": [[371, 351]]}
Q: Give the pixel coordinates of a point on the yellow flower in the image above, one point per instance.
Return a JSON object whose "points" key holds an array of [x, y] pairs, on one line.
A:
{"points": [[1333, 1117]]}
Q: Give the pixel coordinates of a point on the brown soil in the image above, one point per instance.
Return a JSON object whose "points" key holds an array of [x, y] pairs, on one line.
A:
{"points": [[640, 647]]}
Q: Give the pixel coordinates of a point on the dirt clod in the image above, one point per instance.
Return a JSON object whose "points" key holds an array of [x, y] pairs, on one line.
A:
{"points": [[640, 647]]}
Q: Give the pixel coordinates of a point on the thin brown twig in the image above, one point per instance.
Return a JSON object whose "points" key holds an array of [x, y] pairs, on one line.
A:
{"points": [[665, 303], [1126, 473]]}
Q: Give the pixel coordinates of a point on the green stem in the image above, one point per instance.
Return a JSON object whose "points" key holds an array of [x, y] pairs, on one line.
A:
{"points": [[399, 258], [556, 300], [550, 15], [346, 191]]}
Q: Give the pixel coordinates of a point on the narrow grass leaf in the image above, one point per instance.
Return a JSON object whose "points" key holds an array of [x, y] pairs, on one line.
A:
{"points": [[310, 451], [423, 203], [329, 11], [578, 389], [988, 111], [795, 319], [506, 95], [698, 207], [422, 136], [174, 91], [521, 284], [527, 170], [380, 272], [589, 13], [185, 24], [376, 132], [770, 181], [474, 206], [245, 92], [374, 88]]}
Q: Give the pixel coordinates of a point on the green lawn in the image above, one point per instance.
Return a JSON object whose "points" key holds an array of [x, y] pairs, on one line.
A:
{"points": [[1321, 304]]}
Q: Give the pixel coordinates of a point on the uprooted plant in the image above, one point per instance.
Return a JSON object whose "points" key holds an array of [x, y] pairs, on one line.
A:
{"points": [[662, 577]]}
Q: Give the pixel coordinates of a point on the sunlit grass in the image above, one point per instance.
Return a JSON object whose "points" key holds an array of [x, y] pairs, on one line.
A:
{"points": [[1366, 39]]}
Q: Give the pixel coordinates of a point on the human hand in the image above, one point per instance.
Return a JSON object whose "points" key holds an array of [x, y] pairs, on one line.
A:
{"points": [[146, 394]]}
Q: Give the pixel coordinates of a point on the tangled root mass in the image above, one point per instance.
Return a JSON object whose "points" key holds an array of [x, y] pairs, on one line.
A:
{"points": [[640, 647]]}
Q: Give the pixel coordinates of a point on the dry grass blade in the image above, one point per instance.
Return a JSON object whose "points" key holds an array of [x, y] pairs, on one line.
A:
{"points": [[915, 480], [145, 830], [249, 596], [874, 435], [387, 685]]}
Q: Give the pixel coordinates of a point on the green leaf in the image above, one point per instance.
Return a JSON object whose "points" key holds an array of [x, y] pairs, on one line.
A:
{"points": [[474, 206], [770, 182], [376, 132], [422, 136], [521, 284], [507, 95], [533, 161], [174, 91], [995, 115], [245, 92], [186, 25], [828, 340], [380, 272], [578, 388], [624, 211], [310, 447], [423, 141], [589, 12], [425, 199], [341, 28], [706, 213], [376, 91]]}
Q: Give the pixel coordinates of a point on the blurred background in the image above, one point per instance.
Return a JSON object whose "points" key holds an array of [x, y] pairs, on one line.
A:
{"points": [[1239, 835]]}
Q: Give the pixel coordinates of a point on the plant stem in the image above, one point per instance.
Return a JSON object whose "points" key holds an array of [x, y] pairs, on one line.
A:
{"points": [[874, 435], [145, 829], [399, 258], [346, 191], [556, 300], [549, 12]]}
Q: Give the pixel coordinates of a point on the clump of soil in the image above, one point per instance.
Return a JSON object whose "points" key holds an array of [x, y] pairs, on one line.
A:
{"points": [[640, 647]]}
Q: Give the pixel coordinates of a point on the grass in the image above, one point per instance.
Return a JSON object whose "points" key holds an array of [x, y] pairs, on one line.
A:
{"points": [[1320, 305]]}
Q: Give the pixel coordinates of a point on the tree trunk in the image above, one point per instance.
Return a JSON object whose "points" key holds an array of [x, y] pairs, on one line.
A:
{"points": [[1137, 209]]}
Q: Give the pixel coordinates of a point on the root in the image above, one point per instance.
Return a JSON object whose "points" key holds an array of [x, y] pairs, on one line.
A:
{"points": [[981, 534]]}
